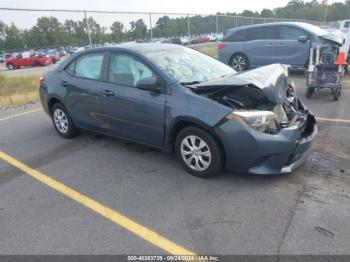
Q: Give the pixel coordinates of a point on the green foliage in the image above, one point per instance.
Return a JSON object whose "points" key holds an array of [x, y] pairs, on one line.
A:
{"points": [[138, 29], [117, 32], [50, 32]]}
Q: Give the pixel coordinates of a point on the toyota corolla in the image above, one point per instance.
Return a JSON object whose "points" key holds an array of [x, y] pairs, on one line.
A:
{"points": [[177, 99]]}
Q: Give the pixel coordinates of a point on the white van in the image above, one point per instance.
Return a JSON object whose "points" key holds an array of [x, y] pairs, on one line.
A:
{"points": [[344, 25]]}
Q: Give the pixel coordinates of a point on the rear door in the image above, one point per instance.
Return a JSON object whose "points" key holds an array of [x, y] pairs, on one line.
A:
{"points": [[260, 45], [289, 49], [82, 81]]}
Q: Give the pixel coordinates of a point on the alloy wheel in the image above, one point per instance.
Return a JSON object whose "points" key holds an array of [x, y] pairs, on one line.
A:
{"points": [[239, 63], [196, 153], [61, 121]]}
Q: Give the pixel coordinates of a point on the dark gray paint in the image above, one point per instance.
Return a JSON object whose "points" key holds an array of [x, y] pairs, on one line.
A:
{"points": [[149, 117]]}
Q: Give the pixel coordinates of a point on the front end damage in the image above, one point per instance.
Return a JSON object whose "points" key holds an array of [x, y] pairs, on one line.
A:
{"points": [[269, 130]]}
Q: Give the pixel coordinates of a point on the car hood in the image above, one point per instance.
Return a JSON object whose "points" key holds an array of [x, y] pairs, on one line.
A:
{"points": [[334, 36], [271, 79]]}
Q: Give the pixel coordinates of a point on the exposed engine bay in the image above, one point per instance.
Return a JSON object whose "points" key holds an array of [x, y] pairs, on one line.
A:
{"points": [[279, 98]]}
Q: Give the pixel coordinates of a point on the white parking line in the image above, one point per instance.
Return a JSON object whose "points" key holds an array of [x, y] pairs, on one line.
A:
{"points": [[20, 114], [334, 120]]}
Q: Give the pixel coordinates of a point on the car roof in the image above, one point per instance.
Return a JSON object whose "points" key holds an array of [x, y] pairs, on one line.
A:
{"points": [[138, 47], [308, 27]]}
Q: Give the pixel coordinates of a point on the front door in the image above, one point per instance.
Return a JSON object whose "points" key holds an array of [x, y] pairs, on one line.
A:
{"points": [[130, 112], [290, 49]]}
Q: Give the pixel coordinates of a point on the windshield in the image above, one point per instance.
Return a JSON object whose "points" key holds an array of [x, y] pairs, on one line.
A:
{"points": [[188, 66]]}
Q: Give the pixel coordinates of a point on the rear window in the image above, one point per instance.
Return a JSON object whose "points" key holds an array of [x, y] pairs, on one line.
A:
{"points": [[87, 66], [238, 36], [261, 33]]}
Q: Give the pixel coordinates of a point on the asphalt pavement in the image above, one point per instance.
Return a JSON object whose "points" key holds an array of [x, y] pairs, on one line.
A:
{"points": [[306, 212]]}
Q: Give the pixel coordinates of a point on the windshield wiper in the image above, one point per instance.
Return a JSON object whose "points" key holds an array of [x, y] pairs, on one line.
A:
{"points": [[190, 83]]}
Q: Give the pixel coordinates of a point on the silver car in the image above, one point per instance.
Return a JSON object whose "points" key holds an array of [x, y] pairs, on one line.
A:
{"points": [[264, 44]]}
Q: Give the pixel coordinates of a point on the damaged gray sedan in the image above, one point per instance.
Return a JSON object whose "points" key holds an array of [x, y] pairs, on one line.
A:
{"points": [[177, 99]]}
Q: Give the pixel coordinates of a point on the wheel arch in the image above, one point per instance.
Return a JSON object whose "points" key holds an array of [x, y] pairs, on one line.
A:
{"points": [[182, 122], [52, 101]]}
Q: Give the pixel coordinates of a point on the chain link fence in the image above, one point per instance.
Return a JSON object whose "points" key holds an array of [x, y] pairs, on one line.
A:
{"points": [[38, 29]]}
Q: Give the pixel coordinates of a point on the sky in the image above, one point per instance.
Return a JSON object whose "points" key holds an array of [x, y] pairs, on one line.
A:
{"points": [[28, 19]]}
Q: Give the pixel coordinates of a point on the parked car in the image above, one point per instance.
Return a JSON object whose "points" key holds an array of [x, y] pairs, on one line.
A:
{"points": [[19, 61], [344, 26], [203, 39], [54, 55], [185, 40], [263, 44], [174, 40], [178, 99]]}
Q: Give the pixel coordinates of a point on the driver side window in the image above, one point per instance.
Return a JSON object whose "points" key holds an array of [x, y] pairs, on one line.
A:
{"points": [[291, 33], [126, 70]]}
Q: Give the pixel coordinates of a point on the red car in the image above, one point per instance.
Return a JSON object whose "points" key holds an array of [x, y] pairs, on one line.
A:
{"points": [[203, 39], [14, 63]]}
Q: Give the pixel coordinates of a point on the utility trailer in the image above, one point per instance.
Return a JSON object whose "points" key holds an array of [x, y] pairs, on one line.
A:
{"points": [[326, 70]]}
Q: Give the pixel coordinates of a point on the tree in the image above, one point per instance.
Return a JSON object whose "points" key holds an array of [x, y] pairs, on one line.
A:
{"points": [[117, 33], [267, 13], [3, 28], [138, 29], [14, 38], [50, 30]]}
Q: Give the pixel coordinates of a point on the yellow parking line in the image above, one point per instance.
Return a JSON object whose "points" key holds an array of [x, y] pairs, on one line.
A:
{"points": [[132, 226], [20, 114], [335, 120]]}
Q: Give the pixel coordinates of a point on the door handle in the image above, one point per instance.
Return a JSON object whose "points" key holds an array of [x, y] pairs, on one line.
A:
{"points": [[281, 45], [65, 83], [108, 93], [270, 44]]}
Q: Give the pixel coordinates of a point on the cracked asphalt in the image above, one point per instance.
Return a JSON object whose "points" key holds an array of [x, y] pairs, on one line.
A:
{"points": [[306, 212]]}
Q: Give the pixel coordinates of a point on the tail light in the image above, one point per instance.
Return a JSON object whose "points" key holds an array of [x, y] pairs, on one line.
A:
{"points": [[221, 46], [41, 80]]}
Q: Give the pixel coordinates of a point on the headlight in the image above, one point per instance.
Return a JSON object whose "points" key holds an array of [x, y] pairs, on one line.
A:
{"points": [[291, 94], [263, 121]]}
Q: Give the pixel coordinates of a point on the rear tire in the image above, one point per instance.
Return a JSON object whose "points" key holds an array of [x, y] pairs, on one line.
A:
{"points": [[62, 121], [309, 91], [336, 94], [239, 62], [199, 153]]}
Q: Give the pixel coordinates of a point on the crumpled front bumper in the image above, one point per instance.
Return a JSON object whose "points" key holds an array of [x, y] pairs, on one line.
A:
{"points": [[251, 151]]}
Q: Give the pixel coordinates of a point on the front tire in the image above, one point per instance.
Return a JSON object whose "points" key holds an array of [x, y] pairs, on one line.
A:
{"points": [[239, 62], [63, 122], [10, 67], [199, 153]]}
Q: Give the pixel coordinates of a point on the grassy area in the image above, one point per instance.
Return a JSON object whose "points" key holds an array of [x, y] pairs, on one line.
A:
{"points": [[24, 89], [209, 50], [18, 90]]}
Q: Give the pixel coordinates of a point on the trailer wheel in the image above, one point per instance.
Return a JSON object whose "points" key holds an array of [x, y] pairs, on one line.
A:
{"points": [[336, 94], [309, 91]]}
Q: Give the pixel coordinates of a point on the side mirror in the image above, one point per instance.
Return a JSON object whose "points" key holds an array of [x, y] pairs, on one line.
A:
{"points": [[149, 83], [302, 38]]}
